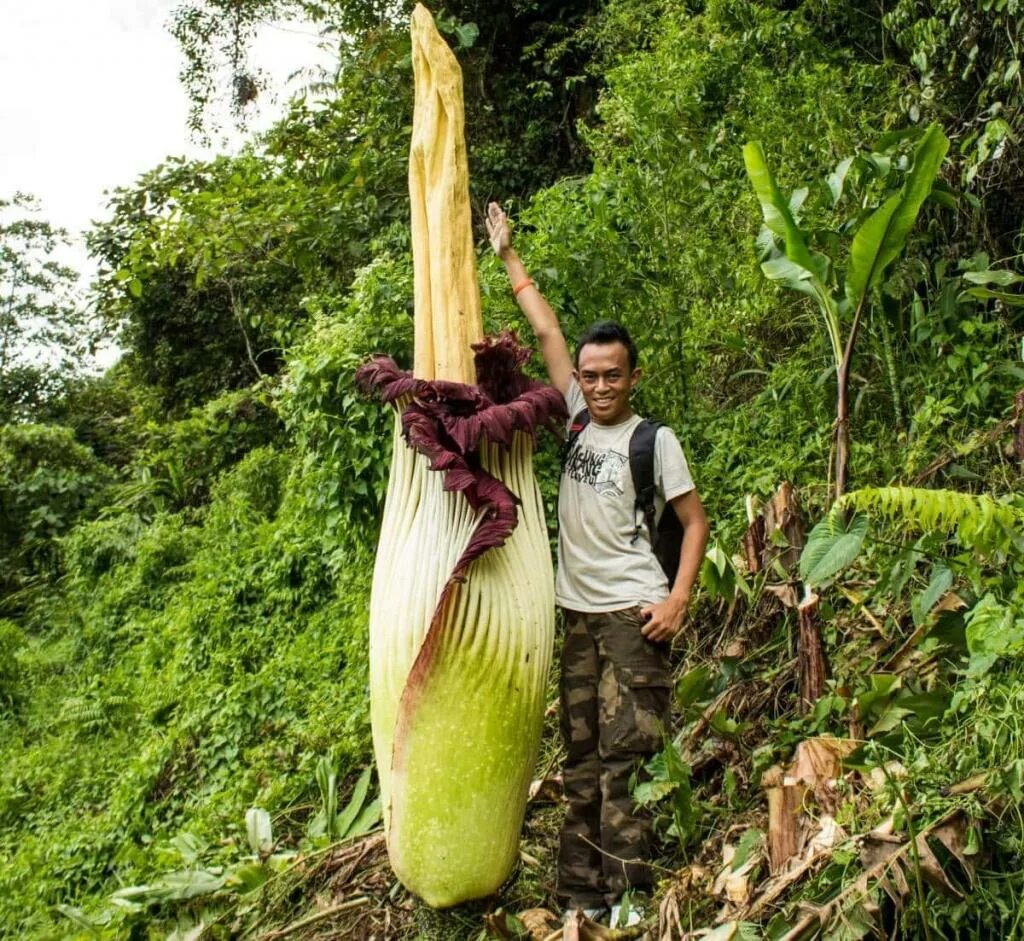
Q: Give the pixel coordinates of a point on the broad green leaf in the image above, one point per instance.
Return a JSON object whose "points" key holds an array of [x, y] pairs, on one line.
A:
{"points": [[717, 558], [467, 34], [938, 585], [837, 179], [800, 269], [326, 780], [367, 820], [883, 687], [723, 725], [248, 876], [882, 237], [750, 840], [987, 294], [992, 632], [650, 792], [693, 686], [1001, 276], [347, 817], [892, 715], [177, 886], [790, 274], [890, 140], [683, 816], [189, 847], [774, 207], [928, 705], [831, 547]]}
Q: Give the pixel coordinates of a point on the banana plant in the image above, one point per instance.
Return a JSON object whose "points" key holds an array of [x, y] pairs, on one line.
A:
{"points": [[843, 294]]}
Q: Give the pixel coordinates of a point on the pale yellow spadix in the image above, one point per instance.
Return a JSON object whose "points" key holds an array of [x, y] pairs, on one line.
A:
{"points": [[462, 606], [447, 297]]}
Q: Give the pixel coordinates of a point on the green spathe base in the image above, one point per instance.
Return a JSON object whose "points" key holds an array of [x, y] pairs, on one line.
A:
{"points": [[459, 786], [457, 720]]}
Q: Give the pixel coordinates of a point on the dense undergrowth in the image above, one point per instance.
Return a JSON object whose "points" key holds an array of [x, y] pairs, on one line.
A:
{"points": [[188, 542]]}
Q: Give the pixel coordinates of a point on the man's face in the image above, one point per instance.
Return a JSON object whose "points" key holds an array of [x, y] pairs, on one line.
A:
{"points": [[606, 381]]}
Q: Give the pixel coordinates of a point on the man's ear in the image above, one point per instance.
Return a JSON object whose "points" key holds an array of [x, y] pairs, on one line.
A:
{"points": [[634, 377]]}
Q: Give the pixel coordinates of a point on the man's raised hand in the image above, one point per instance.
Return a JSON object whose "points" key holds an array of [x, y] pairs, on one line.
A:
{"points": [[498, 230]]}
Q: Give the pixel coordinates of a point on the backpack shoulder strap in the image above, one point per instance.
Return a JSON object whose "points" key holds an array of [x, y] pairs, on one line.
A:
{"points": [[579, 421], [641, 467]]}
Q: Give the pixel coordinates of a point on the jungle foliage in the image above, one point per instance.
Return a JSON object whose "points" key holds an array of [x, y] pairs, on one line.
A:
{"points": [[186, 543]]}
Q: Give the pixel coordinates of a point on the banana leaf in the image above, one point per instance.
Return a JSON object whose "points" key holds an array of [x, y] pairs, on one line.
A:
{"points": [[883, 236]]}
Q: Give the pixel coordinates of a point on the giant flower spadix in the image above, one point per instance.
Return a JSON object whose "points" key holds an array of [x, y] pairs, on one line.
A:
{"points": [[462, 606]]}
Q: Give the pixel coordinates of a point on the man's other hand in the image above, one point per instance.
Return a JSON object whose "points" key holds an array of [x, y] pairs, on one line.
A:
{"points": [[498, 230], [663, 620]]}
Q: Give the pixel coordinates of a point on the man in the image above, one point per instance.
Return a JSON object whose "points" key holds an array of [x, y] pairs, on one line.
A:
{"points": [[620, 615]]}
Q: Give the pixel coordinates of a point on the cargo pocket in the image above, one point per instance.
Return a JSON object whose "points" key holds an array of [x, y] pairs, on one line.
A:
{"points": [[635, 705]]}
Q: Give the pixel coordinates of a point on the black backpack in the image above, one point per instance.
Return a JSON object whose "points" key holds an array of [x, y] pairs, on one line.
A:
{"points": [[667, 534]]}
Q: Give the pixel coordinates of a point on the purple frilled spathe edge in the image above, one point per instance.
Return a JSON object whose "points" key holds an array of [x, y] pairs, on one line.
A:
{"points": [[447, 422]]}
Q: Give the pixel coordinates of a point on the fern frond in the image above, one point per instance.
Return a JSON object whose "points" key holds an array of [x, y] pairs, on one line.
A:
{"points": [[977, 521], [93, 714]]}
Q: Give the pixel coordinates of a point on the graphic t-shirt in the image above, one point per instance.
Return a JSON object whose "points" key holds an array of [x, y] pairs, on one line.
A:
{"points": [[605, 559]]}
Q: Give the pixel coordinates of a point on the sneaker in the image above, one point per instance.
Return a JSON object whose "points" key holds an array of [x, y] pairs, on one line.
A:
{"points": [[594, 914], [626, 913]]}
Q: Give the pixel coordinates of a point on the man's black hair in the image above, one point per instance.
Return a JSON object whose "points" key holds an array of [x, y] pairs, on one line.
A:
{"points": [[607, 331]]}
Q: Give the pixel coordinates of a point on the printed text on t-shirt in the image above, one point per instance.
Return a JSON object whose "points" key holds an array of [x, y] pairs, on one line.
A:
{"points": [[601, 470]]}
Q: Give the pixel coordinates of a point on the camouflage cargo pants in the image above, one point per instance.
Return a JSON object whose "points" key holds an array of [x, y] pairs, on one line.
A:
{"points": [[615, 702]]}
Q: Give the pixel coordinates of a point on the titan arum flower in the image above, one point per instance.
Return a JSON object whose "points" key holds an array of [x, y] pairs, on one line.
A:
{"points": [[462, 607]]}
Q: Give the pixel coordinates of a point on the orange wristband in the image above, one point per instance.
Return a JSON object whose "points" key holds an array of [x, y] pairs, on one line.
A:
{"points": [[522, 286]]}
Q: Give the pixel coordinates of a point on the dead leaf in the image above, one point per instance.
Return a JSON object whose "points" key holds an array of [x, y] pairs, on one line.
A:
{"points": [[728, 855], [886, 857], [931, 868], [669, 919], [735, 648], [974, 783], [737, 885], [581, 928], [952, 834], [539, 922], [819, 760], [528, 859], [828, 836], [950, 601], [502, 925], [785, 592], [885, 830], [546, 790]]}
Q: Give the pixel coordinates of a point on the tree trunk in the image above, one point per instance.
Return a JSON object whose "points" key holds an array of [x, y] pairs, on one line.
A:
{"points": [[782, 514], [753, 545], [810, 653], [784, 802]]}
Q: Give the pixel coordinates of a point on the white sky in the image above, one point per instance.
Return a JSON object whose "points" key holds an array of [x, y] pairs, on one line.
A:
{"points": [[90, 98]]}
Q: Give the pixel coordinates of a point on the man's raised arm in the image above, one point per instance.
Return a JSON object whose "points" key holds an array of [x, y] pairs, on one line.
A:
{"points": [[531, 302]]}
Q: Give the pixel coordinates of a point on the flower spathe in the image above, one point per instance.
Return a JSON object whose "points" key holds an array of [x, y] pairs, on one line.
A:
{"points": [[461, 620]]}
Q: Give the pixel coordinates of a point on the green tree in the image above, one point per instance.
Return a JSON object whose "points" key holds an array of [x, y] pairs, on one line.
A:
{"points": [[525, 63], [47, 480], [42, 323]]}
